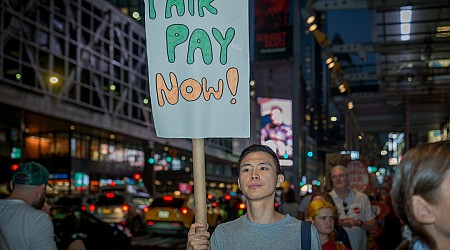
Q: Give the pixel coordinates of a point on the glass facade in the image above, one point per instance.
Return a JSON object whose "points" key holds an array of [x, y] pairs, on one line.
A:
{"points": [[87, 147], [82, 62], [78, 51]]}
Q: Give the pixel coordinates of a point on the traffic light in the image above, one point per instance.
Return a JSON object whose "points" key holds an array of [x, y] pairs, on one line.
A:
{"points": [[14, 166], [137, 176], [16, 153]]}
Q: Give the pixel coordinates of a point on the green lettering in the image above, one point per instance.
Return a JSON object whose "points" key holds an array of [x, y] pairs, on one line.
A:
{"points": [[224, 42], [176, 34], [179, 4], [207, 5], [200, 40], [151, 11], [191, 7]]}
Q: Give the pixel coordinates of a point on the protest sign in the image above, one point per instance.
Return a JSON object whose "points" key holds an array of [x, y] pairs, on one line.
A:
{"points": [[198, 63]]}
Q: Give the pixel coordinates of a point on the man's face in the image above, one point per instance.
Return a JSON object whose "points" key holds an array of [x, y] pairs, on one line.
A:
{"points": [[258, 178], [339, 178]]}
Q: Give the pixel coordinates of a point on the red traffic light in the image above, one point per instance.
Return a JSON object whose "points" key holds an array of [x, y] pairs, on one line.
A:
{"points": [[136, 176], [14, 167]]}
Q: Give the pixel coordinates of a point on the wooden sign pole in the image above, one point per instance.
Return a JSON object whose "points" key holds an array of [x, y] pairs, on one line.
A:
{"points": [[198, 151]]}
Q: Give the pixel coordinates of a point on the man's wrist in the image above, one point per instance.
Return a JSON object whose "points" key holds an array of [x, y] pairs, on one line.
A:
{"points": [[360, 223]]}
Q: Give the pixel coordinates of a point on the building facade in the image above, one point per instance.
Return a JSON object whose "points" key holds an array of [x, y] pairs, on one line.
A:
{"points": [[75, 97]]}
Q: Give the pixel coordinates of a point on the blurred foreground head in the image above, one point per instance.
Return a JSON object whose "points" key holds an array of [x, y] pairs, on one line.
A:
{"points": [[421, 194]]}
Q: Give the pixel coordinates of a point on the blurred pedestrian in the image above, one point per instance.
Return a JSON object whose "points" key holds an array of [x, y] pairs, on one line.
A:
{"points": [[421, 196], [305, 202], [25, 215], [354, 208], [261, 227], [46, 207], [322, 214], [289, 205], [22, 224], [340, 234]]}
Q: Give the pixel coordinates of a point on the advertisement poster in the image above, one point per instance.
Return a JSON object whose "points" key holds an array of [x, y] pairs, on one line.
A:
{"points": [[276, 127], [198, 63], [273, 33]]}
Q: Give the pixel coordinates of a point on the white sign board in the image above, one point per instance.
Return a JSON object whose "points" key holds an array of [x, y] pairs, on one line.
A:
{"points": [[198, 62], [358, 175]]}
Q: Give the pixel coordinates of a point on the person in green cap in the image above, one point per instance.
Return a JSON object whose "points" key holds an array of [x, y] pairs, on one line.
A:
{"points": [[23, 225]]}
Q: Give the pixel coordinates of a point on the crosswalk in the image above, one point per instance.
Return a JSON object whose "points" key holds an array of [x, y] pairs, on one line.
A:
{"points": [[159, 241]]}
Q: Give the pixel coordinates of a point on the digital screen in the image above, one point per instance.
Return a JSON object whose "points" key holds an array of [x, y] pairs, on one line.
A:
{"points": [[276, 128]]}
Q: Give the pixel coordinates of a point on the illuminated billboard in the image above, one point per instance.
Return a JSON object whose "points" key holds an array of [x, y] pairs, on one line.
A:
{"points": [[276, 127]]}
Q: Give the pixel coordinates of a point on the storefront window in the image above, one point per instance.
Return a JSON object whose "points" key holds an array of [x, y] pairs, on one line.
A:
{"points": [[95, 149], [60, 145]]}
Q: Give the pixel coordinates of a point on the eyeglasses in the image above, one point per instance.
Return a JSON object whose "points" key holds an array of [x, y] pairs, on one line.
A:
{"points": [[326, 218], [345, 207]]}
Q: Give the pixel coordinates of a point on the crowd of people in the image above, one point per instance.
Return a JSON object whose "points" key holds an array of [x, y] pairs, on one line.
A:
{"points": [[340, 219]]}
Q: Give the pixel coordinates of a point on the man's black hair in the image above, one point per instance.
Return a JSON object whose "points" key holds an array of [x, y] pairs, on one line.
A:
{"points": [[260, 148]]}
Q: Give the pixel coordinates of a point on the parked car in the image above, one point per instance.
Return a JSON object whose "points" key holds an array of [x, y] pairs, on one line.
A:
{"points": [[126, 209], [73, 223], [175, 214]]}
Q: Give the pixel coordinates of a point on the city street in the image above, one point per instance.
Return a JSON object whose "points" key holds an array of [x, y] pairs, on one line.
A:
{"points": [[158, 242]]}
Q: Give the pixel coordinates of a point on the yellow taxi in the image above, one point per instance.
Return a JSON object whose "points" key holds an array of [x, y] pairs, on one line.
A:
{"points": [[174, 215]]}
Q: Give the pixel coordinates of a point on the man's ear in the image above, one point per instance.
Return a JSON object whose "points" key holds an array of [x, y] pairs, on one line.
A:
{"points": [[239, 184], [422, 210], [280, 180]]}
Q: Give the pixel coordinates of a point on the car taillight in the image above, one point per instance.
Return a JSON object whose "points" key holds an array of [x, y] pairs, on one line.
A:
{"points": [[168, 198], [91, 208], [242, 206], [110, 195], [150, 223], [184, 210], [83, 208], [125, 208]]}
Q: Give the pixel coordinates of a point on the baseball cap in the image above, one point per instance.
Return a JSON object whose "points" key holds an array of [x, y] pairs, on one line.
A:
{"points": [[31, 173]]}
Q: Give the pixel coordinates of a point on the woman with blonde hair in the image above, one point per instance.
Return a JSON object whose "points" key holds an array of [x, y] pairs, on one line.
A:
{"points": [[322, 215]]}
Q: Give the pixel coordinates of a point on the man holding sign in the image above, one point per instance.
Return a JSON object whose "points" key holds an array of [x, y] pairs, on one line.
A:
{"points": [[261, 227], [198, 63]]}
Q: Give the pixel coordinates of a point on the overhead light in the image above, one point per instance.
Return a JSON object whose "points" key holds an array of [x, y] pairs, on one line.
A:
{"points": [[329, 60], [405, 20], [350, 105], [405, 14], [54, 79], [310, 19], [443, 31], [331, 65], [312, 27], [342, 88]]}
